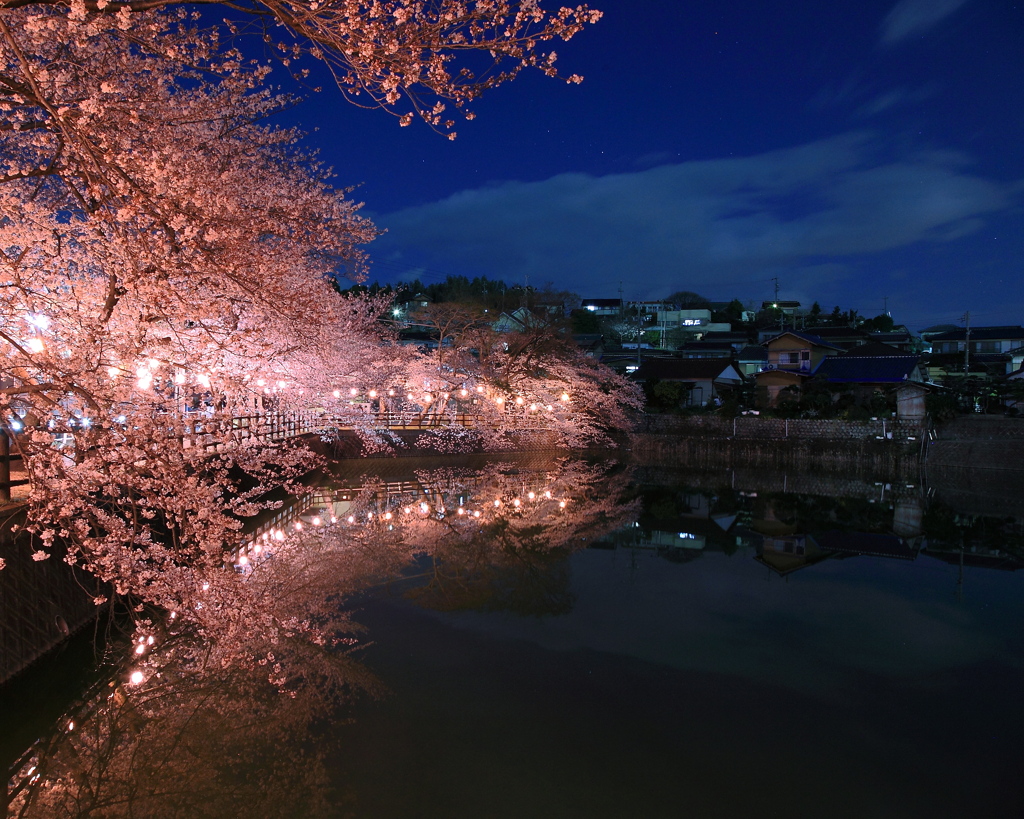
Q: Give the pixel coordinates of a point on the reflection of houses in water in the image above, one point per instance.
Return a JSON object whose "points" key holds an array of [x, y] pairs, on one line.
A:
{"points": [[975, 555], [851, 544], [690, 528], [785, 554]]}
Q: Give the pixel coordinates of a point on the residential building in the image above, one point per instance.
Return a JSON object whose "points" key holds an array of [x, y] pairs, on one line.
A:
{"points": [[878, 368], [983, 340], [706, 379], [787, 308], [603, 307], [791, 359], [986, 351]]}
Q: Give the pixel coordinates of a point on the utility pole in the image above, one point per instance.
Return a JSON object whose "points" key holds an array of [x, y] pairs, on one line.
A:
{"points": [[967, 344], [775, 302], [639, 337]]}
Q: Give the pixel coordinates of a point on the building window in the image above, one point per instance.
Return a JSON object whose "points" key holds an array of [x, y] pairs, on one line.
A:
{"points": [[794, 357]]}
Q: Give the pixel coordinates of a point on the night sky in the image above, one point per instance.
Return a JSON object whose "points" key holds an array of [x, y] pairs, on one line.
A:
{"points": [[868, 154]]}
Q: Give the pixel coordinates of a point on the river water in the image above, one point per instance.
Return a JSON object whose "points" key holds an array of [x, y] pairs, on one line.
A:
{"points": [[673, 645]]}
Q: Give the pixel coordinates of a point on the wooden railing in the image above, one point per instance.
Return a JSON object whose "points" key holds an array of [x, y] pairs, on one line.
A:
{"points": [[221, 433]]}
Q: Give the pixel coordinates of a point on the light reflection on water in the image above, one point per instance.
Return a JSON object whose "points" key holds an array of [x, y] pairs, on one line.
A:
{"points": [[672, 645]]}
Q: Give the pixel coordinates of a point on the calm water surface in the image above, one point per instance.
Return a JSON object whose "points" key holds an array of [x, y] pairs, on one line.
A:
{"points": [[725, 649], [861, 688]]}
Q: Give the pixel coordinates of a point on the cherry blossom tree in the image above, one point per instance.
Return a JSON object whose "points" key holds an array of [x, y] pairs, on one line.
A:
{"points": [[166, 261], [535, 378], [410, 57]]}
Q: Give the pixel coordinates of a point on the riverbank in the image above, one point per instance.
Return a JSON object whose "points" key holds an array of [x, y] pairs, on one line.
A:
{"points": [[879, 446]]}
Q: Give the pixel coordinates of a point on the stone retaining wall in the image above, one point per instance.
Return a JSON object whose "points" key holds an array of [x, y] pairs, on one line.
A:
{"points": [[981, 428], [758, 428], [885, 457], [985, 442]]}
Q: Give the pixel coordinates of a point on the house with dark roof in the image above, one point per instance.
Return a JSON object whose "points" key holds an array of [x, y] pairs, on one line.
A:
{"points": [[899, 337], [706, 379], [983, 340], [591, 344], [843, 337], [751, 359], [706, 349], [872, 364], [736, 340], [985, 350], [879, 368]]}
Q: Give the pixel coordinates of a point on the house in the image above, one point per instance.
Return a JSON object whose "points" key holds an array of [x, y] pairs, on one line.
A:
{"points": [[792, 358], [646, 307], [686, 324], [878, 368], [603, 307], [518, 321], [787, 308], [751, 359], [982, 340], [706, 349], [705, 379], [736, 340], [844, 337], [591, 344], [901, 338], [986, 350]]}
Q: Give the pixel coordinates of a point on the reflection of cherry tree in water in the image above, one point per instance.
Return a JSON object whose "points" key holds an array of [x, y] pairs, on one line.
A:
{"points": [[221, 702], [192, 739], [513, 556]]}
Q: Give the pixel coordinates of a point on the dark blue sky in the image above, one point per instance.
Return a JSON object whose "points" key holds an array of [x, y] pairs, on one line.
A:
{"points": [[865, 153]]}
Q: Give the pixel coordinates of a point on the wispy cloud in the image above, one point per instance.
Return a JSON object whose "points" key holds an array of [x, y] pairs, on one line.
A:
{"points": [[701, 224], [910, 17]]}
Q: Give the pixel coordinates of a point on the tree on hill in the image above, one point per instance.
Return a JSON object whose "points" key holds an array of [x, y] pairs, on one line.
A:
{"points": [[688, 300], [881, 323]]}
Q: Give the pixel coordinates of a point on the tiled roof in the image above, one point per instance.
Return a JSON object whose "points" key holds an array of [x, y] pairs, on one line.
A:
{"points": [[682, 369], [872, 349], [863, 543], [890, 369], [804, 337], [981, 334], [836, 332]]}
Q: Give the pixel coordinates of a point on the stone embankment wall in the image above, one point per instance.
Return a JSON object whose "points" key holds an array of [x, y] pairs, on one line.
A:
{"points": [[978, 442], [756, 427], [976, 464], [833, 484], [41, 602], [882, 446]]}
